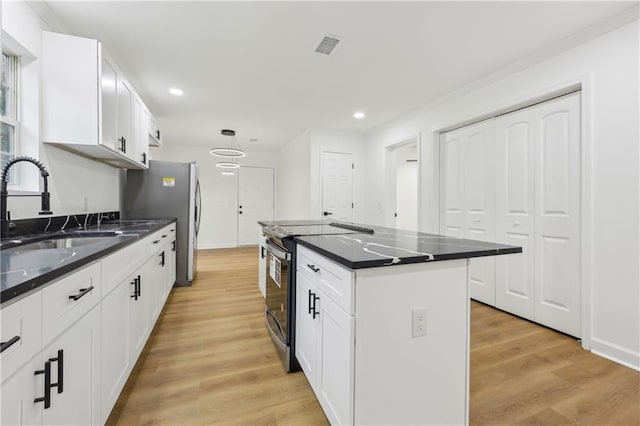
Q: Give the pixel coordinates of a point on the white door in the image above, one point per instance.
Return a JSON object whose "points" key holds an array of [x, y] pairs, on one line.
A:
{"points": [[469, 197], [406, 187], [255, 201], [337, 186], [538, 208]]}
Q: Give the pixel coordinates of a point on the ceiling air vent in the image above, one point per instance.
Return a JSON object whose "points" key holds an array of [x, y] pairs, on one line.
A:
{"points": [[327, 44]]}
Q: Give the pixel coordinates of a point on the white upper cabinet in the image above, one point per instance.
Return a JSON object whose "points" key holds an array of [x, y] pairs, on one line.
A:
{"points": [[154, 132], [88, 106]]}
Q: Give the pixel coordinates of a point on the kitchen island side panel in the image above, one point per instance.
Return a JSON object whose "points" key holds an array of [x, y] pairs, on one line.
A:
{"points": [[400, 379]]}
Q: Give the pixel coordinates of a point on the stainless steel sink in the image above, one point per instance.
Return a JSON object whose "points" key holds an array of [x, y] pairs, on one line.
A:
{"points": [[67, 241], [62, 243]]}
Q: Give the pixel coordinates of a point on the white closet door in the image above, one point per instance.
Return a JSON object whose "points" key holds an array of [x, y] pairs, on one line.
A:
{"points": [[452, 155], [538, 204], [557, 216], [514, 212], [469, 197]]}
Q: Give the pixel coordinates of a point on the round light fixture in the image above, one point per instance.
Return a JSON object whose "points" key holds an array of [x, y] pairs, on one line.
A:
{"points": [[228, 173], [232, 150], [227, 165], [358, 115], [176, 92], [227, 152]]}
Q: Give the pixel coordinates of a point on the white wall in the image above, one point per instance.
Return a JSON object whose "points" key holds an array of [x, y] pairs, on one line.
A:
{"points": [[72, 178], [219, 224], [300, 173], [293, 181], [608, 65]]}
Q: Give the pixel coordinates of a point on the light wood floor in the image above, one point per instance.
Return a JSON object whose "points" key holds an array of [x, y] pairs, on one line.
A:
{"points": [[210, 361]]}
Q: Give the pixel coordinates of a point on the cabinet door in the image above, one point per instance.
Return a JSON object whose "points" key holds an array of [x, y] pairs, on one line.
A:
{"points": [[125, 98], [116, 352], [143, 135], [140, 308], [335, 356], [75, 401], [307, 329], [17, 405], [134, 145], [108, 84]]}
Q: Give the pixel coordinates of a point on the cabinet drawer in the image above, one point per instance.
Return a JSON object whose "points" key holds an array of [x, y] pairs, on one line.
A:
{"points": [[68, 299], [332, 279], [118, 266], [157, 240], [22, 325]]}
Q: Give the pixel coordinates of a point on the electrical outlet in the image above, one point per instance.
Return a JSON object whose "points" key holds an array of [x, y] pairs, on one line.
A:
{"points": [[419, 322]]}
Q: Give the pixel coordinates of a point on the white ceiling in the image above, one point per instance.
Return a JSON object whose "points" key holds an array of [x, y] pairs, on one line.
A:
{"points": [[251, 66]]}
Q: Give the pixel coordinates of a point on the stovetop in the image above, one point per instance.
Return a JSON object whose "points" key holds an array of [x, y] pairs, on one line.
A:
{"points": [[282, 231]]}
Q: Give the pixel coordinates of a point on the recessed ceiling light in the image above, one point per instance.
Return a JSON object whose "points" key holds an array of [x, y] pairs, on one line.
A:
{"points": [[358, 115], [175, 91]]}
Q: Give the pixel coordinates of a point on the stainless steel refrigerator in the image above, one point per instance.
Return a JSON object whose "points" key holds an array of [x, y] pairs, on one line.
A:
{"points": [[168, 190]]}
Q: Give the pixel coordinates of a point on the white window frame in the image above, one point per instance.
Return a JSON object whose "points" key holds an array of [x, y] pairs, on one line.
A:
{"points": [[13, 117]]}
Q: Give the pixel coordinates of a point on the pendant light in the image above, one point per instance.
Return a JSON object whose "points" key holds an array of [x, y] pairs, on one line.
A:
{"points": [[233, 149]]}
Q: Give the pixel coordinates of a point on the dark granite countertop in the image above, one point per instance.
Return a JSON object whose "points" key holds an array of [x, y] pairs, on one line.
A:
{"points": [[23, 270], [388, 246]]}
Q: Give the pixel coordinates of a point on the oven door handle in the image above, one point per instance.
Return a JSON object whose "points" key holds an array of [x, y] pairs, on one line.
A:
{"points": [[278, 336], [271, 247]]}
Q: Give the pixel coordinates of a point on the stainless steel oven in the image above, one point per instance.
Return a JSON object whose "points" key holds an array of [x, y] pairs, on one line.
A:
{"points": [[280, 312], [279, 293]]}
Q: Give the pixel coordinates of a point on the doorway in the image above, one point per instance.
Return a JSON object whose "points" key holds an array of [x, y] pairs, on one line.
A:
{"points": [[403, 171], [255, 201], [337, 186]]}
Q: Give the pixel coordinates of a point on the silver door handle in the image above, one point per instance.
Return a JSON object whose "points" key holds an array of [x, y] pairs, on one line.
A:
{"points": [[277, 251]]}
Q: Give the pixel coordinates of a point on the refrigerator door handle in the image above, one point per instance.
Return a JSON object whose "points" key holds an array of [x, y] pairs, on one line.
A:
{"points": [[198, 209]]}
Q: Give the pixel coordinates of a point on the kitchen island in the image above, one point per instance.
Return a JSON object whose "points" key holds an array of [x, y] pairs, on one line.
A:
{"points": [[382, 324]]}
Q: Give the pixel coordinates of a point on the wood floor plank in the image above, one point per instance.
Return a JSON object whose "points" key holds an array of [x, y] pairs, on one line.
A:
{"points": [[210, 361]]}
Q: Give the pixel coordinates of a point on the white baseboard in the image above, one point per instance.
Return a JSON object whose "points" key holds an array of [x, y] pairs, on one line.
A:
{"points": [[616, 353], [216, 246]]}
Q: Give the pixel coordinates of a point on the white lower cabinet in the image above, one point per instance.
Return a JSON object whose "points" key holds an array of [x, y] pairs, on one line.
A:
{"points": [[17, 406], [74, 359], [92, 329], [324, 340], [336, 349], [60, 385], [116, 346], [141, 306], [354, 340], [307, 330]]}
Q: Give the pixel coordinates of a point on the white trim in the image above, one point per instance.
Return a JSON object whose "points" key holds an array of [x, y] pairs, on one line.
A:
{"points": [[616, 353], [584, 84], [217, 246]]}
